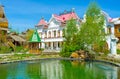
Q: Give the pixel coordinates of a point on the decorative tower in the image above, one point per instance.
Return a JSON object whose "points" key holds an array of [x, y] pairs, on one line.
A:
{"points": [[3, 19], [3, 25]]}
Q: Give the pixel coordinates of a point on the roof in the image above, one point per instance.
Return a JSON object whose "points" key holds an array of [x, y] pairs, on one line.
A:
{"points": [[35, 37], [3, 19], [17, 38], [115, 20], [65, 17], [42, 22]]}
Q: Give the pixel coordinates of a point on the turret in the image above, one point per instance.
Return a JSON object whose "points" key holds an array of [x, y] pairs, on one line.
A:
{"points": [[3, 19]]}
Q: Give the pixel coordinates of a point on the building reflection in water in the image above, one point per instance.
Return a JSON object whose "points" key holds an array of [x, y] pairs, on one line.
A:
{"points": [[52, 69], [59, 69]]}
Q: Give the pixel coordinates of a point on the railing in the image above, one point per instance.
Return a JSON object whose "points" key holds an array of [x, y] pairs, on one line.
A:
{"points": [[12, 45]]}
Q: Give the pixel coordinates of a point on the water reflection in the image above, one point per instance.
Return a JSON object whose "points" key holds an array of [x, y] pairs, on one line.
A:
{"points": [[56, 69]]}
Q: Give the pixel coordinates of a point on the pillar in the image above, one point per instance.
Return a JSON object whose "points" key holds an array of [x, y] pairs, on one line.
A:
{"points": [[51, 45], [51, 33], [56, 45], [61, 32], [47, 33], [56, 33], [43, 45]]}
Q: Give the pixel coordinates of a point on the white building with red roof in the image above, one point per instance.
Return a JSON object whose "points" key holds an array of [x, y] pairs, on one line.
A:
{"points": [[51, 32], [112, 30]]}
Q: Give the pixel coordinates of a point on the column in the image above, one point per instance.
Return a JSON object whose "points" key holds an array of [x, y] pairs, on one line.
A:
{"points": [[47, 44], [42, 35], [51, 45], [51, 33], [47, 33], [61, 32], [56, 45], [43, 45], [56, 33]]}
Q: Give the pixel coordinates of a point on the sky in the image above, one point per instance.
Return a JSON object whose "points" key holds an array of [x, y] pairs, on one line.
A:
{"points": [[25, 14]]}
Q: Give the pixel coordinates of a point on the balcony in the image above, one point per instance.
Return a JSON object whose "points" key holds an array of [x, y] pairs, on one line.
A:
{"points": [[52, 39]]}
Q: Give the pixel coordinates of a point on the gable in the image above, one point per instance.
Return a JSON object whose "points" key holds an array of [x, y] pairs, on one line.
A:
{"points": [[53, 23]]}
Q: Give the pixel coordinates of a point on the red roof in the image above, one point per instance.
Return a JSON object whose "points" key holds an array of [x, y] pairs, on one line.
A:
{"points": [[110, 19], [42, 22], [65, 17]]}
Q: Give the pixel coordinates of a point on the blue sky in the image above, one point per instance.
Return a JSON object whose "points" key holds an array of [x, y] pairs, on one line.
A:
{"points": [[24, 14]]}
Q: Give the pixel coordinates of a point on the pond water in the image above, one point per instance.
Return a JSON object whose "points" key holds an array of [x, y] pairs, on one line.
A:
{"points": [[58, 69]]}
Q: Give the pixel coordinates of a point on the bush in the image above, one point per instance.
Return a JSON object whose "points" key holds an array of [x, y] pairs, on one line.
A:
{"points": [[65, 54], [5, 49], [18, 49], [118, 51], [24, 50], [41, 49]]}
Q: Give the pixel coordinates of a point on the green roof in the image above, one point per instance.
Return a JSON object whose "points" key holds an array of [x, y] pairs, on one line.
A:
{"points": [[35, 37]]}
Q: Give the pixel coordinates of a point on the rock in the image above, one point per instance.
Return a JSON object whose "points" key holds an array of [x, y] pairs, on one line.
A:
{"points": [[74, 55]]}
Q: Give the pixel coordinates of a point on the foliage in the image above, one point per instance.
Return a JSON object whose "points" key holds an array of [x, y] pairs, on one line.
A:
{"points": [[18, 48], [118, 51], [70, 32], [92, 32], [90, 36], [23, 55], [5, 49], [3, 46], [29, 34]]}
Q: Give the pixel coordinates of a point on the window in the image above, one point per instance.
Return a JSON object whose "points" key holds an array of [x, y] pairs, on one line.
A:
{"points": [[109, 30], [58, 33], [118, 29]]}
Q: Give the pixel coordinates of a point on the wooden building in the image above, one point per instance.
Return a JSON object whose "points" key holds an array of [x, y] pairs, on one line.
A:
{"points": [[3, 19], [3, 25], [117, 31]]}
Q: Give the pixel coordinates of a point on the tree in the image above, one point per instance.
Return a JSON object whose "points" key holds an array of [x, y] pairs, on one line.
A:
{"points": [[92, 32], [70, 33], [29, 34]]}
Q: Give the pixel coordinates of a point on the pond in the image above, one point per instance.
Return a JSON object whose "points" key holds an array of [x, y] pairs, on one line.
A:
{"points": [[58, 69]]}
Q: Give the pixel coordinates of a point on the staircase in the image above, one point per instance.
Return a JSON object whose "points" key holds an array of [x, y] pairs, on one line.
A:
{"points": [[11, 45]]}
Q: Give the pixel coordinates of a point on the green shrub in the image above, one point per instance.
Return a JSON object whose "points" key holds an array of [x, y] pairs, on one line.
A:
{"points": [[41, 49], [118, 51], [18, 49], [65, 54], [5, 49], [24, 50]]}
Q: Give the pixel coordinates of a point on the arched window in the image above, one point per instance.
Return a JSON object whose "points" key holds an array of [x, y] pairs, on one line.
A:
{"points": [[109, 29], [55, 33]]}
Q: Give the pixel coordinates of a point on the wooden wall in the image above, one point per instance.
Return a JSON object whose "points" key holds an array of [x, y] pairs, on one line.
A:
{"points": [[117, 30]]}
